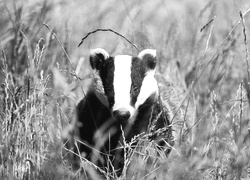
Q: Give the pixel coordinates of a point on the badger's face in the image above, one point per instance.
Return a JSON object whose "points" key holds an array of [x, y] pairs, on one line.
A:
{"points": [[128, 81]]}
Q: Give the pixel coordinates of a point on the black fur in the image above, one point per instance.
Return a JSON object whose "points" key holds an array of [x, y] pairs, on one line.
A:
{"points": [[96, 61], [95, 117], [149, 61], [106, 73], [137, 74]]}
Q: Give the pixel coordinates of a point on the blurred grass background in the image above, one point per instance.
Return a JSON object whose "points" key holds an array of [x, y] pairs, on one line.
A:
{"points": [[205, 64]]}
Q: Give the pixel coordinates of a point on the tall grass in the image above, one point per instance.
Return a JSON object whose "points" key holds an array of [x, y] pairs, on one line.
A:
{"points": [[203, 53]]}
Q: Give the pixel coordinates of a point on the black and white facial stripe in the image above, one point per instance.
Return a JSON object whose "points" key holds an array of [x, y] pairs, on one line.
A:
{"points": [[128, 81]]}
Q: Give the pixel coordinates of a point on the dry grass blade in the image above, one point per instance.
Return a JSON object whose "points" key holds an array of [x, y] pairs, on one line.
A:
{"points": [[247, 87], [204, 56], [64, 51], [206, 25], [245, 42], [209, 62], [97, 30]]}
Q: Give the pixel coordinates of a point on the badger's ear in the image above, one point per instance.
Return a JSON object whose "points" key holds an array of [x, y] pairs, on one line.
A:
{"points": [[97, 58], [148, 56]]}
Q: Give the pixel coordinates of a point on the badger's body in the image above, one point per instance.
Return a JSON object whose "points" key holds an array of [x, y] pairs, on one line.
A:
{"points": [[123, 101]]}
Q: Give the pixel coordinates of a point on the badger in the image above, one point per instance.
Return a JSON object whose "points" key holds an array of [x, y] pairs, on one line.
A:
{"points": [[122, 102]]}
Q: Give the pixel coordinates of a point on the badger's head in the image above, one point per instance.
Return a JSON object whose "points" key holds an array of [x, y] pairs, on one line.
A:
{"points": [[128, 81]]}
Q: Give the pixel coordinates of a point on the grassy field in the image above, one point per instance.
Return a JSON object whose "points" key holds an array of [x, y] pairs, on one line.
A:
{"points": [[203, 52]]}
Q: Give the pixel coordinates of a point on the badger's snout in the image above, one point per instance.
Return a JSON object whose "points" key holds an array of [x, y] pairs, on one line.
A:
{"points": [[121, 114]]}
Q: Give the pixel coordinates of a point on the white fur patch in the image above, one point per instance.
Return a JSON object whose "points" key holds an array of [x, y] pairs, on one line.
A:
{"points": [[151, 52], [149, 86], [122, 82], [93, 52]]}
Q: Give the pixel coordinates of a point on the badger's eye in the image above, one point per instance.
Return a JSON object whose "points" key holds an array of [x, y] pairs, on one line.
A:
{"points": [[135, 90]]}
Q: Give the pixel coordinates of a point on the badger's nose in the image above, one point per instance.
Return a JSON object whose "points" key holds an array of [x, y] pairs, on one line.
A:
{"points": [[121, 114]]}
